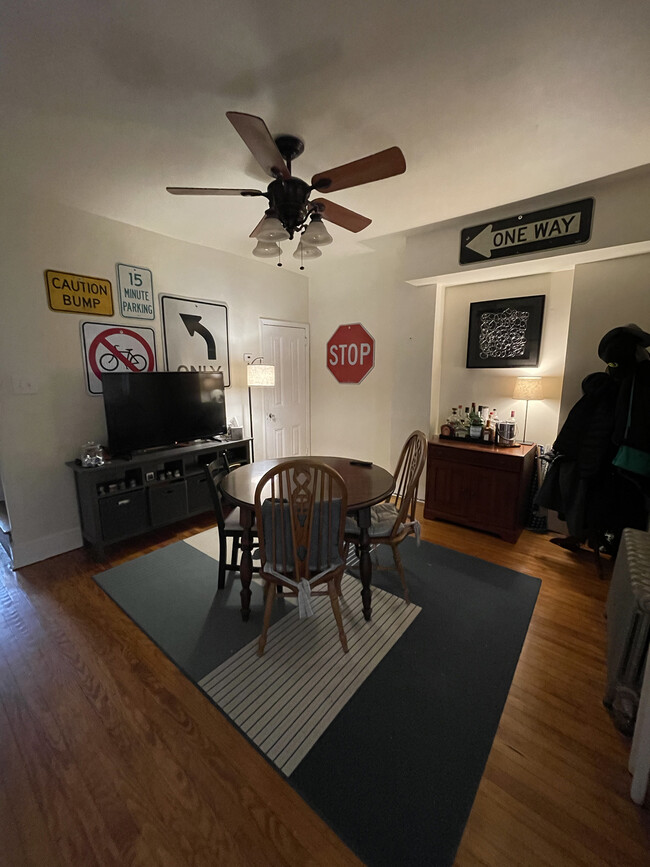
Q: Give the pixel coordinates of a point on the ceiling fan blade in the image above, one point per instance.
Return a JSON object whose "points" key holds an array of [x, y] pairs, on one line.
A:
{"points": [[260, 143], [349, 220], [211, 191], [381, 165]]}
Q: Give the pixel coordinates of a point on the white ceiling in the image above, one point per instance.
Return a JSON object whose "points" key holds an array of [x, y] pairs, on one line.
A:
{"points": [[107, 103]]}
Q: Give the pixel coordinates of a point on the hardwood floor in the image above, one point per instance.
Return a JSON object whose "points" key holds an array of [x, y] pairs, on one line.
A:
{"points": [[110, 756]]}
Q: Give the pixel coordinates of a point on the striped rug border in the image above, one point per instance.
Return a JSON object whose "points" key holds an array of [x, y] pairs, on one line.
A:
{"points": [[285, 700]]}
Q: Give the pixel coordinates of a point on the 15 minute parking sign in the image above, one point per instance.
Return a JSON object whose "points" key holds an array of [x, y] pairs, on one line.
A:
{"points": [[135, 290]]}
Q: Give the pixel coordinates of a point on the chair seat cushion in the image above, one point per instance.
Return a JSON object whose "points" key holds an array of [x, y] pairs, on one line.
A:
{"points": [[382, 521]]}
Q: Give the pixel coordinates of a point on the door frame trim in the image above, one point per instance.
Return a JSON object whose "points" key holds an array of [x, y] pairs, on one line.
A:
{"points": [[292, 323]]}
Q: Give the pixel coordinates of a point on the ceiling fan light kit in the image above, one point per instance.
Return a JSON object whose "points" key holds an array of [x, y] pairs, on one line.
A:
{"points": [[272, 230], [266, 249], [290, 211], [316, 232], [306, 251]]}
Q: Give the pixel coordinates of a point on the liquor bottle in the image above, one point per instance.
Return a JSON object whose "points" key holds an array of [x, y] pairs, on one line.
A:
{"points": [[463, 427], [488, 430], [500, 429], [513, 426], [453, 419], [475, 424]]}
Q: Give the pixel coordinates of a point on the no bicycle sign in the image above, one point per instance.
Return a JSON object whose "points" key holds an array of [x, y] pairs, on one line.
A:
{"points": [[114, 349]]}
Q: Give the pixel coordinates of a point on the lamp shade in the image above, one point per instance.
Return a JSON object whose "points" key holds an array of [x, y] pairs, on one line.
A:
{"points": [[266, 249], [528, 388], [272, 230], [316, 233], [260, 375], [306, 251]]}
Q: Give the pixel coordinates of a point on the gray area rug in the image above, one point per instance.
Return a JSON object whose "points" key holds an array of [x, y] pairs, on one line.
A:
{"points": [[395, 771]]}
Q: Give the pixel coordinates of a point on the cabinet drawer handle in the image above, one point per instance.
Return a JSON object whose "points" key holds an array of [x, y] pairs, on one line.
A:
{"points": [[123, 502]]}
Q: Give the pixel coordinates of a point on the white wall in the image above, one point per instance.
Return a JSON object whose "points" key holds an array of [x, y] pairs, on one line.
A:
{"points": [[39, 432], [462, 385], [372, 419], [605, 295]]}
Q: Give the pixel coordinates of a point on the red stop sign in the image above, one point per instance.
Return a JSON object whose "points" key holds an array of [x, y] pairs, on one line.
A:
{"points": [[351, 353]]}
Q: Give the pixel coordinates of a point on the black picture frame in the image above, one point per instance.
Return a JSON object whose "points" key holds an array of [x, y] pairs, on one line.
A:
{"points": [[505, 333]]}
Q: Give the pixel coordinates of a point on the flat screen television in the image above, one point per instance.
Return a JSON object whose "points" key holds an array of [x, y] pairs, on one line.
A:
{"points": [[147, 410]]}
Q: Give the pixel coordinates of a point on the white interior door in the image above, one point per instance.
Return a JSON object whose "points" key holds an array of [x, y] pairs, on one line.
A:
{"points": [[286, 405]]}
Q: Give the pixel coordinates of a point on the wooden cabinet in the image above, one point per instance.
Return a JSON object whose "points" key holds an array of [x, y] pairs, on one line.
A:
{"points": [[124, 498], [479, 486]]}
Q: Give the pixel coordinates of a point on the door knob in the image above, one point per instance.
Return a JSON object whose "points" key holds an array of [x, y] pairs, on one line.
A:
{"points": [[271, 416]]}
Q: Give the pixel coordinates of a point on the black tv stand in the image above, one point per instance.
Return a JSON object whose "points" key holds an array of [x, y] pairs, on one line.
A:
{"points": [[130, 495]]}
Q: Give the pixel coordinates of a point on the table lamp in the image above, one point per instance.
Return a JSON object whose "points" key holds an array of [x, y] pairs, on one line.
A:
{"points": [[528, 388], [258, 376]]}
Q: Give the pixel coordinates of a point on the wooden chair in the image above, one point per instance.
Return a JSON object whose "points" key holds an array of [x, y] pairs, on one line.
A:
{"points": [[300, 508], [229, 527], [392, 521]]}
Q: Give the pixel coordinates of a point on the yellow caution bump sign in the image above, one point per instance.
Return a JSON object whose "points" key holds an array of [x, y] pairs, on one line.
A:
{"points": [[75, 293]]}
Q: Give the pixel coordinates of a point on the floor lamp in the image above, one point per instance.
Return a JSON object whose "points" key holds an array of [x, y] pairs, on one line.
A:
{"points": [[258, 376], [528, 388]]}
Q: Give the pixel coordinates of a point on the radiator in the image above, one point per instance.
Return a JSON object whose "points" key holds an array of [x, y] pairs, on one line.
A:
{"points": [[628, 628]]}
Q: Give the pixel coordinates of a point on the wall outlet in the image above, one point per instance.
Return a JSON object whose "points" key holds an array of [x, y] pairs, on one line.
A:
{"points": [[248, 357]]}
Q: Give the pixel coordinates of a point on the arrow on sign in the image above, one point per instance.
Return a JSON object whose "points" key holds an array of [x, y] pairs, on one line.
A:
{"points": [[193, 325], [488, 240]]}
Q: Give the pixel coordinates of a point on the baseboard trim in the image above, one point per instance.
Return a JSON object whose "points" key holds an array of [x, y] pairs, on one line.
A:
{"points": [[26, 553]]}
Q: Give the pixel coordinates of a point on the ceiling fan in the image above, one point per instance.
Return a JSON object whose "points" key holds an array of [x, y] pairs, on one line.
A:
{"points": [[290, 208]]}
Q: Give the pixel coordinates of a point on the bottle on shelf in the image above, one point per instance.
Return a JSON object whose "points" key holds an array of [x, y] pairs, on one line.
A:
{"points": [[513, 426], [475, 424], [461, 430], [488, 430], [449, 427], [453, 419]]}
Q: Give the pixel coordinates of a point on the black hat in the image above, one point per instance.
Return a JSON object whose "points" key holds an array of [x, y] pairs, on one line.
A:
{"points": [[620, 344]]}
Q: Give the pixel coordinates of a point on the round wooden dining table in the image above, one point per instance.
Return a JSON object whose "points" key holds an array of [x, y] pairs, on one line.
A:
{"points": [[367, 485]]}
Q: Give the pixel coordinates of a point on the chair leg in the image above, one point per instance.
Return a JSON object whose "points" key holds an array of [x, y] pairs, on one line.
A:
{"points": [[400, 569], [334, 599], [223, 550], [235, 552], [270, 596]]}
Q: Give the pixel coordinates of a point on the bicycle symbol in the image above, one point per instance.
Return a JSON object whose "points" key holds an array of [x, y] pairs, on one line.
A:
{"points": [[110, 362]]}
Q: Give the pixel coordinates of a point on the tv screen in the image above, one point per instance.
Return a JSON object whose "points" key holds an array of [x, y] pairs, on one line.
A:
{"points": [[145, 410]]}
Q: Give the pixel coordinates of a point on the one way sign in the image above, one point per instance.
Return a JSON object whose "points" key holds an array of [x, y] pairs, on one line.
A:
{"points": [[195, 335], [560, 226]]}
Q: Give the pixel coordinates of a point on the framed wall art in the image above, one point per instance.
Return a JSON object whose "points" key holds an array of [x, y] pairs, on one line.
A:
{"points": [[505, 333]]}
